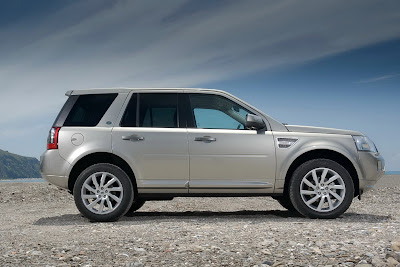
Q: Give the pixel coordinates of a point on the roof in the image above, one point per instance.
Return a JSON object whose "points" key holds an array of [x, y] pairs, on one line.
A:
{"points": [[127, 90]]}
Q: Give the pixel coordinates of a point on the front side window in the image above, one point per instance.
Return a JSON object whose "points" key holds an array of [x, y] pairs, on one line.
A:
{"points": [[217, 112], [89, 109]]}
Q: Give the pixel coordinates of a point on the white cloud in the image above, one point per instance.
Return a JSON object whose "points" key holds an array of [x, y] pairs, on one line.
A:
{"points": [[380, 78], [155, 43]]}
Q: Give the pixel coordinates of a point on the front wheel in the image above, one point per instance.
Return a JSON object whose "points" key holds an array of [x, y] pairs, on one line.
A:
{"points": [[286, 203], [321, 188], [103, 192]]}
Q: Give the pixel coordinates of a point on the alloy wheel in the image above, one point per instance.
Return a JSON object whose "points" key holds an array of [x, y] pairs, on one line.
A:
{"points": [[102, 193], [322, 189]]}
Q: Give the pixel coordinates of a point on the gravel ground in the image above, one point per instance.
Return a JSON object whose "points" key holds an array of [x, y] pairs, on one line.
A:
{"points": [[40, 225]]}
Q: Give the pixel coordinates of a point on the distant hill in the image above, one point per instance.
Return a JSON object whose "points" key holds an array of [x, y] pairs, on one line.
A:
{"points": [[14, 166]]}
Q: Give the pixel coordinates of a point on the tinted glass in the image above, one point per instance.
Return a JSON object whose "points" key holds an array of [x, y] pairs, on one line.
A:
{"points": [[158, 110], [129, 118], [89, 109], [217, 112], [65, 111]]}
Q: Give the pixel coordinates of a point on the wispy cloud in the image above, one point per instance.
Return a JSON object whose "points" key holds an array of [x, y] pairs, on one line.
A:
{"points": [[379, 78], [173, 43]]}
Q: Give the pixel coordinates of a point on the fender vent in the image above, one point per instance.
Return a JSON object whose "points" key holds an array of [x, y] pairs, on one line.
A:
{"points": [[286, 142]]}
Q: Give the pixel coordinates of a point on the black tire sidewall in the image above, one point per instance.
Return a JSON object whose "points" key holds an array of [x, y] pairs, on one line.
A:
{"points": [[137, 204], [302, 170], [285, 202], [127, 187]]}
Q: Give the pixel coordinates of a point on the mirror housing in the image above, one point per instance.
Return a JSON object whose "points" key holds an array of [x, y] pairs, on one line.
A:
{"points": [[254, 122]]}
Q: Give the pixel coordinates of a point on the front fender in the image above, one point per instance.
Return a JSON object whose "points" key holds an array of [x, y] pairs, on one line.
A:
{"points": [[342, 144]]}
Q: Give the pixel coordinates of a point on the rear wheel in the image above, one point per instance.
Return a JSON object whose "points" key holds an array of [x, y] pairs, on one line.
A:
{"points": [[321, 188], [103, 192], [137, 204]]}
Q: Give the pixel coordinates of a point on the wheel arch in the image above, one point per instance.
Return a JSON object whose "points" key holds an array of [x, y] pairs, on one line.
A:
{"points": [[324, 154], [99, 157]]}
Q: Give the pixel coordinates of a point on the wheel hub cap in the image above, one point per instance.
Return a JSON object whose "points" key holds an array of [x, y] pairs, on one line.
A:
{"points": [[102, 193], [322, 189]]}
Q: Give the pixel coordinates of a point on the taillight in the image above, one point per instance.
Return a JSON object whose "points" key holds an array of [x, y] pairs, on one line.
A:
{"points": [[52, 140]]}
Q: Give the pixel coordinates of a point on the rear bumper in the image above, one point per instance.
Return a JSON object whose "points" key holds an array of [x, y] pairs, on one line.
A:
{"points": [[53, 168], [372, 167]]}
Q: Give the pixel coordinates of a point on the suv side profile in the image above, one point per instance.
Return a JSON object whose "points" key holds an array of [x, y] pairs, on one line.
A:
{"points": [[115, 149]]}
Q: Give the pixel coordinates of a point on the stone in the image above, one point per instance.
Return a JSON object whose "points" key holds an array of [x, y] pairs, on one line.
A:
{"points": [[267, 262], [317, 250], [363, 265], [393, 254], [396, 246], [376, 261], [141, 250], [197, 249], [268, 242], [392, 262], [266, 252]]}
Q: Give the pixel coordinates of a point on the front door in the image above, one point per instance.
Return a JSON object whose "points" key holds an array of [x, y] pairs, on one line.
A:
{"points": [[151, 140], [225, 157]]}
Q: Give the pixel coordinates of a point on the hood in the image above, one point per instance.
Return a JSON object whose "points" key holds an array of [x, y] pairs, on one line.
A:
{"points": [[310, 129]]}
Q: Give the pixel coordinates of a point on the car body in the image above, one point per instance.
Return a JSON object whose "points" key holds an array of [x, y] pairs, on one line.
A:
{"points": [[172, 142]]}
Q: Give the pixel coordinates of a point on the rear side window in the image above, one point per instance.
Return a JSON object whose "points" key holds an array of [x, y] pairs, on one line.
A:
{"points": [[129, 118], [89, 109], [158, 110]]}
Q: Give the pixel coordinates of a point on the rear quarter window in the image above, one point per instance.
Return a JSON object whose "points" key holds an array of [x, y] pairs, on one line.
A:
{"points": [[89, 109]]}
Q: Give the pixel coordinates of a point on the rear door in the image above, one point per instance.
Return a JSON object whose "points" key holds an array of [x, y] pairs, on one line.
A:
{"points": [[153, 140], [225, 157]]}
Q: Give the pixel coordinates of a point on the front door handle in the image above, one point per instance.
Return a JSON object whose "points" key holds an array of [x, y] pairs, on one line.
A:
{"points": [[206, 139], [133, 137]]}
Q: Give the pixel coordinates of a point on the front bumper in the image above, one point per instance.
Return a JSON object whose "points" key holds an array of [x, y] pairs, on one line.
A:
{"points": [[372, 167], [53, 168]]}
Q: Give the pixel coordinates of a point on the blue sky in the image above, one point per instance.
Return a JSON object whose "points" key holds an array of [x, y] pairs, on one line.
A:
{"points": [[320, 63]]}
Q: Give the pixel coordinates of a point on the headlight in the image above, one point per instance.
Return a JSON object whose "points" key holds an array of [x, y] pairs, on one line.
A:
{"points": [[363, 143]]}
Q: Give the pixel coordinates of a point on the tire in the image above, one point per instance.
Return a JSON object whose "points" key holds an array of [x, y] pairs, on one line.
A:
{"points": [[286, 203], [103, 192], [321, 188], [137, 204]]}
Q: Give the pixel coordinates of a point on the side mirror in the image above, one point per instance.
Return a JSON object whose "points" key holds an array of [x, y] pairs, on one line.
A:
{"points": [[254, 122]]}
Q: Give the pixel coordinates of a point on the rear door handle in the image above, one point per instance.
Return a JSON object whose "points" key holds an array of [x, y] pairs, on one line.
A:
{"points": [[133, 137], [206, 139]]}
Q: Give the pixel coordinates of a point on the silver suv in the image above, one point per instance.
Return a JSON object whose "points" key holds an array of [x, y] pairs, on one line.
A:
{"points": [[115, 149]]}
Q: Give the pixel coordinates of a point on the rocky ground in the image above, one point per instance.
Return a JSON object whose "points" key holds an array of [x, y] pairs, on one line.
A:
{"points": [[39, 225]]}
